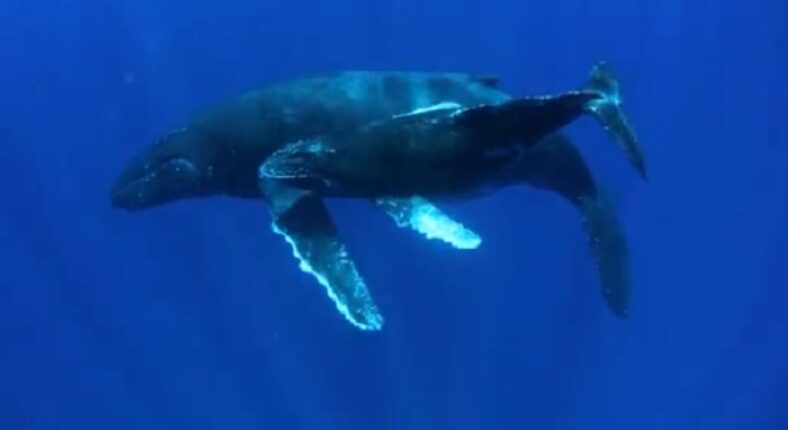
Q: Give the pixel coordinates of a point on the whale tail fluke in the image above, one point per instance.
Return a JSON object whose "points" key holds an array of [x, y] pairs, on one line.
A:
{"points": [[607, 110]]}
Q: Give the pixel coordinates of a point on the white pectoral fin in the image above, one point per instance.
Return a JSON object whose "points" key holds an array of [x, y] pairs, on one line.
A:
{"points": [[307, 226], [438, 107], [422, 216]]}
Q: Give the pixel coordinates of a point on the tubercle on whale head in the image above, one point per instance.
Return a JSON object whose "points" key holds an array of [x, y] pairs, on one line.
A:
{"points": [[177, 166]]}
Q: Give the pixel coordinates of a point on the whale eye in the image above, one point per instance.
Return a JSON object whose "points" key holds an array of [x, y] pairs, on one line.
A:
{"points": [[316, 147]]}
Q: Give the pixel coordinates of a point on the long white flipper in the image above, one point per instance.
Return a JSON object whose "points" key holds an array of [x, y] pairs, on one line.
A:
{"points": [[422, 216], [304, 222]]}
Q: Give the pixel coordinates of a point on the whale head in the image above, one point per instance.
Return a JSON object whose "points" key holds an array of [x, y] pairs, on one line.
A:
{"points": [[177, 166]]}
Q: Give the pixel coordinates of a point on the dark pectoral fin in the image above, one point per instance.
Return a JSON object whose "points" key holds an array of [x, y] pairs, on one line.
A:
{"points": [[609, 250], [303, 220], [556, 165]]}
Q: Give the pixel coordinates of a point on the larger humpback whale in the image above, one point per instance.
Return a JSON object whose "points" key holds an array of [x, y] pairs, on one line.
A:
{"points": [[220, 151]]}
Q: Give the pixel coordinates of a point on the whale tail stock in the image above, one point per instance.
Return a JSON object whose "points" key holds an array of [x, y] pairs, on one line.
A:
{"points": [[532, 118]]}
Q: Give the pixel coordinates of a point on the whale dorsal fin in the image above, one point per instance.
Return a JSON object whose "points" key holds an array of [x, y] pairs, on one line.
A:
{"points": [[490, 81], [305, 223], [424, 217]]}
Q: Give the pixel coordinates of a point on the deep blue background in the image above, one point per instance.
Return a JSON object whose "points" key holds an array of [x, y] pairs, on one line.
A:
{"points": [[195, 316]]}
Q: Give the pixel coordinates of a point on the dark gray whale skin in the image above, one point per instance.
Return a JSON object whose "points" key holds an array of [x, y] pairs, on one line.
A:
{"points": [[222, 148], [220, 151]]}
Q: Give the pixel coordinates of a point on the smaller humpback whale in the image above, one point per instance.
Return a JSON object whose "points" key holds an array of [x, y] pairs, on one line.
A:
{"points": [[221, 151], [446, 149]]}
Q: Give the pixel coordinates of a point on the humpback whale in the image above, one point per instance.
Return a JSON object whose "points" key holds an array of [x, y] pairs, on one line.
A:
{"points": [[446, 149], [220, 151]]}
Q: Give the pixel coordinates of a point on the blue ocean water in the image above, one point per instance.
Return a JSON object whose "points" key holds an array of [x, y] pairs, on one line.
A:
{"points": [[193, 315]]}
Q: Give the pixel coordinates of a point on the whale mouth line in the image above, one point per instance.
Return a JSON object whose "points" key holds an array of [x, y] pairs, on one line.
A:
{"points": [[172, 175], [127, 186]]}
